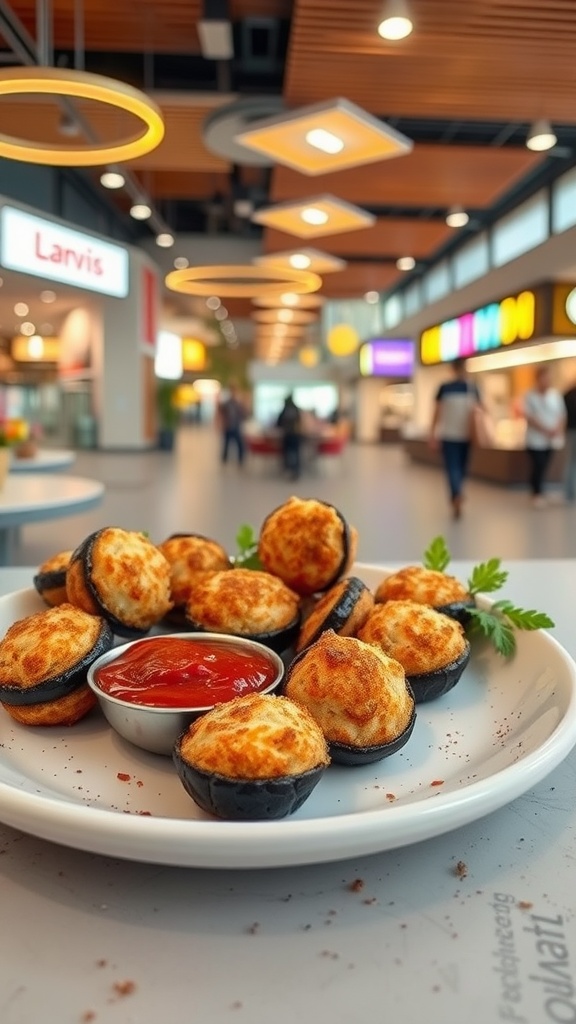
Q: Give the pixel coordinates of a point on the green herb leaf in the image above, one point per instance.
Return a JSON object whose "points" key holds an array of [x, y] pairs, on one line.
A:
{"points": [[247, 542], [437, 555], [495, 627], [487, 577], [524, 618]]}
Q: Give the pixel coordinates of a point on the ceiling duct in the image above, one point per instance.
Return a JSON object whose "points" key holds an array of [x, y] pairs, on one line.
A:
{"points": [[223, 125]]}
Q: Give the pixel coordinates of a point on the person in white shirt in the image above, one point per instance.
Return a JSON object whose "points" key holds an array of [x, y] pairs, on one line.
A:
{"points": [[545, 428]]}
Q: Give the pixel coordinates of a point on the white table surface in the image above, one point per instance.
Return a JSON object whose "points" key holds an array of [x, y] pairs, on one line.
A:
{"points": [[46, 460], [140, 944], [33, 497]]}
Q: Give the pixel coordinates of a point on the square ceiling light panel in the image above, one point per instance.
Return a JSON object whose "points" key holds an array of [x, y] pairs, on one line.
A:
{"points": [[311, 218], [302, 259], [325, 137]]}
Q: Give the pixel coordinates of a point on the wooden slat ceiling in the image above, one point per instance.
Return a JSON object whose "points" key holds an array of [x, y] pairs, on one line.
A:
{"points": [[465, 86]]}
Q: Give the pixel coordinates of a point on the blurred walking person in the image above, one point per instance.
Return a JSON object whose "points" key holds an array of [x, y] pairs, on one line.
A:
{"points": [[231, 415], [290, 423], [545, 414], [451, 430]]}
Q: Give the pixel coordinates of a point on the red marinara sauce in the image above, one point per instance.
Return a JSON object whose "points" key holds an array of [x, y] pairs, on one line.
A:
{"points": [[172, 672]]}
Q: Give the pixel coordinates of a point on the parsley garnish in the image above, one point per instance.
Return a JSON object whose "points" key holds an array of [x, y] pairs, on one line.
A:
{"points": [[487, 577], [498, 622], [247, 556], [437, 555]]}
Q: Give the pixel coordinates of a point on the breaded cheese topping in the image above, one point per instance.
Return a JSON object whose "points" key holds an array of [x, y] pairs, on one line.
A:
{"points": [[307, 544], [258, 736], [130, 575], [427, 586], [356, 693], [244, 601], [189, 555], [47, 644], [417, 636]]}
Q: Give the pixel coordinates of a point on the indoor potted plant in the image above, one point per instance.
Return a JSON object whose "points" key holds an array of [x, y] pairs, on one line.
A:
{"points": [[168, 414]]}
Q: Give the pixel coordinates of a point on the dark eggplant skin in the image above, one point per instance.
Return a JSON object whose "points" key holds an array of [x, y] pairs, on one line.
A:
{"points": [[279, 640], [351, 589], [66, 682], [47, 581], [459, 610], [346, 754], [83, 555], [246, 799], [346, 542], [430, 685]]}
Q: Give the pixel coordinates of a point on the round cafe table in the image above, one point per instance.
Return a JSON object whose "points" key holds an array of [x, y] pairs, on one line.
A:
{"points": [[46, 460], [33, 497]]}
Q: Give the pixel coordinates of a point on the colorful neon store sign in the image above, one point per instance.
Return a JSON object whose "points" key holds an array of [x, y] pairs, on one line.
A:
{"points": [[501, 323]]}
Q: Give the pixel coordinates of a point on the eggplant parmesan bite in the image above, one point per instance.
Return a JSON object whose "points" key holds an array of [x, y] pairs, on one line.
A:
{"points": [[123, 577], [190, 554], [50, 580], [431, 647], [254, 757], [357, 694], [427, 586], [247, 603], [44, 659], [308, 544], [344, 608]]}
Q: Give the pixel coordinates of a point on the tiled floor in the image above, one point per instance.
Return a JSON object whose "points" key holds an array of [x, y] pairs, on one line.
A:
{"points": [[397, 507]]}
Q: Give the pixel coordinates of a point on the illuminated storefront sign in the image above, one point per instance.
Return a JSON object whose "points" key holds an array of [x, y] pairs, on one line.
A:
{"points": [[387, 357], [45, 249], [498, 324]]}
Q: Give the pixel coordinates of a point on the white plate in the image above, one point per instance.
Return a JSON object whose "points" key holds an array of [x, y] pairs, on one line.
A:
{"points": [[498, 733]]}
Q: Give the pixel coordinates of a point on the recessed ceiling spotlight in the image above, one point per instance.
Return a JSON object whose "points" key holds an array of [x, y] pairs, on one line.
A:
{"points": [[299, 260], [164, 239], [46, 329], [312, 215], [112, 179], [221, 313], [406, 263], [21, 309], [213, 302], [140, 211], [324, 140], [396, 20], [181, 263], [371, 297], [457, 217], [27, 329], [48, 295]]}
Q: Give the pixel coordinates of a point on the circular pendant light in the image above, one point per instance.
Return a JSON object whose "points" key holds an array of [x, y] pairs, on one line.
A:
{"points": [[284, 316], [85, 86], [288, 300], [231, 281]]}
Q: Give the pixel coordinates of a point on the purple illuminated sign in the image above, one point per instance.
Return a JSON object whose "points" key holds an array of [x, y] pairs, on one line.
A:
{"points": [[387, 357]]}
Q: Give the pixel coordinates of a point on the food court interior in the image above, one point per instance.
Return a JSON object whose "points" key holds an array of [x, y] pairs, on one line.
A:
{"points": [[302, 226]]}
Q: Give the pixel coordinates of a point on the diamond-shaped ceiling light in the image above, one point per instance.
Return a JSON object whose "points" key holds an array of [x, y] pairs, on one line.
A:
{"points": [[311, 218], [325, 137], [304, 259]]}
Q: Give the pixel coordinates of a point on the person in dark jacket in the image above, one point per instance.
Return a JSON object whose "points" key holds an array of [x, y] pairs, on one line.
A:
{"points": [[231, 415], [290, 423]]}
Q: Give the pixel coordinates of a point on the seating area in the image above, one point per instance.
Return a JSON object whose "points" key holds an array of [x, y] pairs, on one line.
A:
{"points": [[318, 452]]}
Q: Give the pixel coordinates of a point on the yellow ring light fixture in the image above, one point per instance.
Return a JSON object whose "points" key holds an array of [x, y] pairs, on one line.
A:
{"points": [[236, 282], [284, 316], [288, 300], [84, 86]]}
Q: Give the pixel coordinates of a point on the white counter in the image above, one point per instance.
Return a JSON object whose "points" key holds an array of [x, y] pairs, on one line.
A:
{"points": [[397, 937]]}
